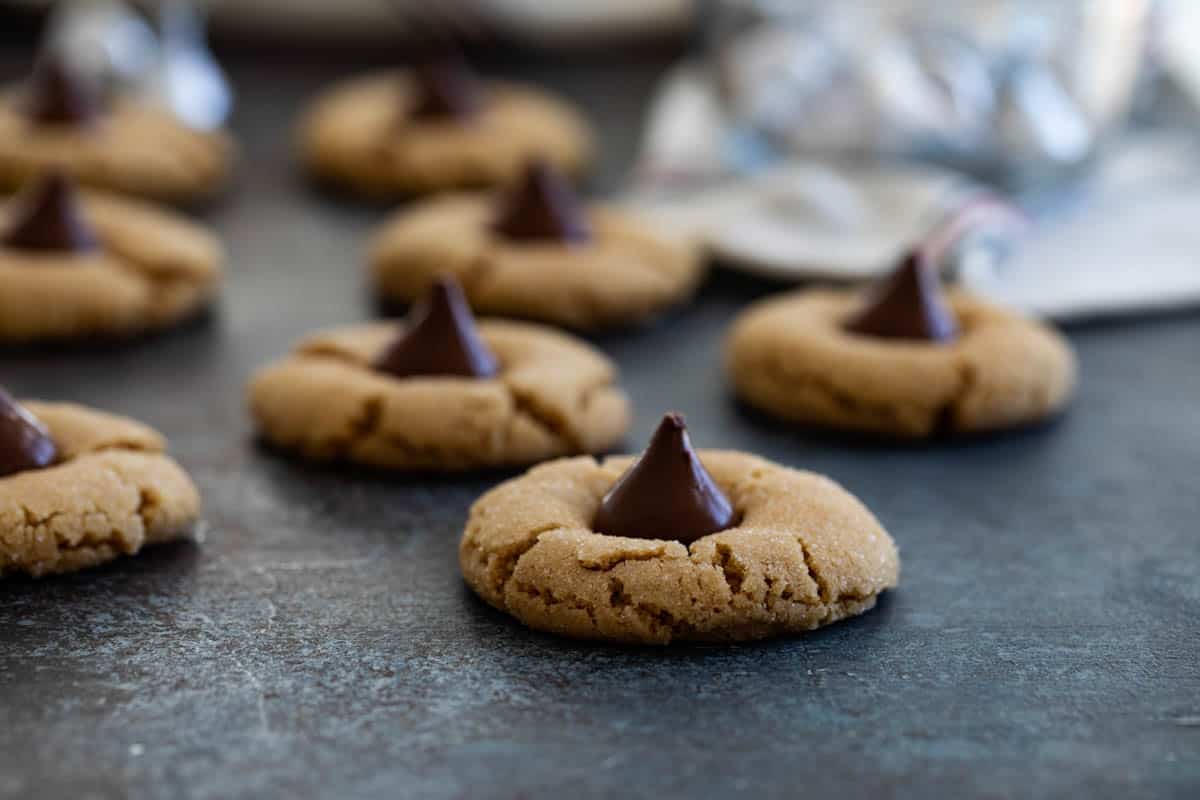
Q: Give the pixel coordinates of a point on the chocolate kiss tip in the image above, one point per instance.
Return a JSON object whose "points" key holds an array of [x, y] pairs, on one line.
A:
{"points": [[25, 443], [542, 206], [908, 304], [57, 94], [666, 494], [47, 216], [440, 339], [445, 87]]}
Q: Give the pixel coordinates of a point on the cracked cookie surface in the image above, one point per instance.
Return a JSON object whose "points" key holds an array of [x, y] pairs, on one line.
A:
{"points": [[112, 491], [133, 148], [356, 135], [790, 357], [803, 553], [624, 274], [554, 396], [153, 269]]}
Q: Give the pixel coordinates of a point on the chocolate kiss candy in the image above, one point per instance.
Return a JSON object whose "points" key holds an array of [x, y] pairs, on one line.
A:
{"points": [[667, 493], [907, 305], [24, 441], [542, 207], [440, 339], [57, 95], [47, 217], [446, 87]]}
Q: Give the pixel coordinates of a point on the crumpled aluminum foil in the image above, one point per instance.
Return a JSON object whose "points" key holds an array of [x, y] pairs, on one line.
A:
{"points": [[1015, 91], [805, 218]]}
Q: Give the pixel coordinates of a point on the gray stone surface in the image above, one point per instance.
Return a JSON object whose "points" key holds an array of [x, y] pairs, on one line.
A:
{"points": [[318, 639]]}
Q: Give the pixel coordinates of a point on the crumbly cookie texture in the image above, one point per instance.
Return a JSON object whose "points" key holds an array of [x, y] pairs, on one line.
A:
{"points": [[789, 357], [804, 553], [554, 396], [133, 148], [625, 274], [356, 135], [113, 491], [153, 269]]}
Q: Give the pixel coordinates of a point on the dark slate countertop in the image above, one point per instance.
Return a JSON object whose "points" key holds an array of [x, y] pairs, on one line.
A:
{"points": [[318, 640]]}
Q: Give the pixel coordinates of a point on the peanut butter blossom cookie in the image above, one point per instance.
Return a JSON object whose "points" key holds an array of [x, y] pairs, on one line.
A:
{"points": [[440, 393], [675, 545], [534, 251], [75, 266], [57, 120], [904, 361], [79, 487], [436, 127]]}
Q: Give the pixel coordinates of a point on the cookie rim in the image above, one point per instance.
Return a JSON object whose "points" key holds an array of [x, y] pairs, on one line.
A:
{"points": [[821, 312], [82, 150], [619, 230], [175, 270], [319, 114], [70, 425], [568, 439], [713, 552]]}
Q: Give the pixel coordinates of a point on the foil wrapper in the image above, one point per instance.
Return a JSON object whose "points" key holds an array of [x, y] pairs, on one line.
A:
{"points": [[164, 60], [1012, 91]]}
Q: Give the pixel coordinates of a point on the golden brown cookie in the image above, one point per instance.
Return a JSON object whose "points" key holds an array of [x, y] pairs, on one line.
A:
{"points": [[362, 136], [791, 357], [110, 490], [553, 395], [624, 273], [802, 553], [126, 145], [146, 269]]}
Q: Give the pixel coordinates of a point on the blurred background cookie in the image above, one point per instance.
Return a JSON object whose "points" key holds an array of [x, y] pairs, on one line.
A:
{"points": [[75, 265], [62, 118], [440, 393], [902, 361], [437, 126], [536, 251]]}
